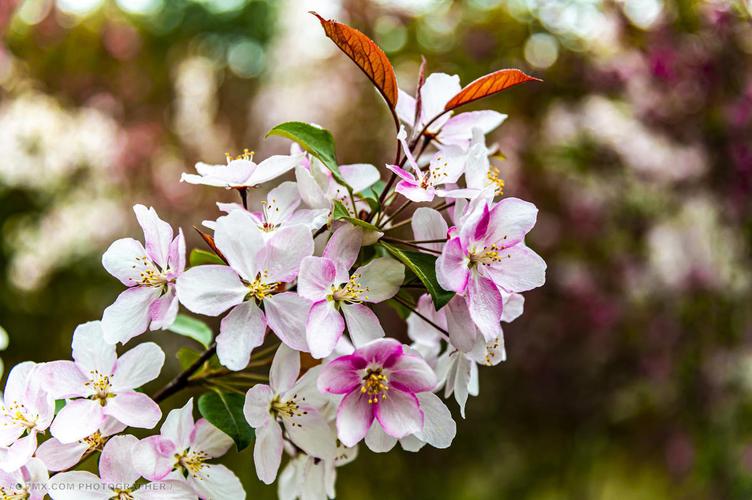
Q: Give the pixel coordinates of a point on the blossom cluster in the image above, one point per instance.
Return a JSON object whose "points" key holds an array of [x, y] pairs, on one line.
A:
{"points": [[304, 268]]}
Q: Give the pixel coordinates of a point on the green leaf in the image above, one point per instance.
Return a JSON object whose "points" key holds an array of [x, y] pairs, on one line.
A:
{"points": [[402, 311], [340, 213], [201, 257], [59, 405], [424, 267], [186, 357], [192, 328], [225, 412], [317, 141]]}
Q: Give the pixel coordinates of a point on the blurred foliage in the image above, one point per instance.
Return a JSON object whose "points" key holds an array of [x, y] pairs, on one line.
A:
{"points": [[629, 374]]}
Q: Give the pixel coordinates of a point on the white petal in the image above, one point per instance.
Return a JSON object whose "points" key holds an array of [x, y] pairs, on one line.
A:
{"points": [[178, 425], [239, 239], [439, 427], [379, 441], [362, 324], [125, 259], [91, 351], [77, 485], [286, 315], [77, 420], [272, 167], [240, 332], [58, 456], [267, 452], [284, 370], [134, 409], [116, 461], [257, 404], [217, 482], [157, 234], [382, 277], [138, 366], [428, 224], [210, 289], [209, 439], [129, 316]]}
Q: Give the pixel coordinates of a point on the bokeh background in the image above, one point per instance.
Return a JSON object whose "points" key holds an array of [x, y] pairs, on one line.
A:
{"points": [[630, 373]]}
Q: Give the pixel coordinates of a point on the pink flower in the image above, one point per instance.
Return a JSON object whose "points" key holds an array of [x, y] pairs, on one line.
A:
{"points": [[26, 482], [257, 272], [117, 478], [149, 273], [380, 381], [27, 409], [98, 385], [280, 210], [327, 282], [286, 403], [437, 90], [60, 456], [242, 172], [445, 167], [181, 451], [487, 253]]}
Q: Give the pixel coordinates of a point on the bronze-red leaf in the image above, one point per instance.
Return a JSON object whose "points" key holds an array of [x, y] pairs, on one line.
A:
{"points": [[490, 84], [366, 55]]}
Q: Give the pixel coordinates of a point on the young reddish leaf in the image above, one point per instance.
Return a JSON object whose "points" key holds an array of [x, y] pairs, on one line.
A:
{"points": [[366, 55], [418, 96], [488, 85], [209, 239]]}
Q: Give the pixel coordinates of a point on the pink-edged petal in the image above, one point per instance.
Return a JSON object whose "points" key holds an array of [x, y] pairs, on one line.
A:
{"points": [[280, 258], [354, 417], [209, 439], [413, 192], [210, 289], [59, 456], [125, 259], [411, 373], [458, 129], [178, 425], [154, 457], [157, 234], [241, 331], [17, 384], [116, 461], [257, 403], [267, 452], [428, 225], [19, 453], [138, 366], [134, 409], [284, 370], [382, 278], [286, 315], [520, 269], [399, 413], [164, 310], [176, 258], [460, 325], [485, 305], [77, 485], [362, 324], [382, 351], [271, 168], [439, 427], [76, 420], [510, 220], [323, 328], [90, 349], [343, 248], [129, 315], [63, 379], [360, 176], [317, 275], [340, 376], [451, 271], [403, 174], [239, 239]]}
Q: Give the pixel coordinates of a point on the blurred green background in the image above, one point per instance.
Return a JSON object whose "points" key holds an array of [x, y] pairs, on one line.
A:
{"points": [[630, 373]]}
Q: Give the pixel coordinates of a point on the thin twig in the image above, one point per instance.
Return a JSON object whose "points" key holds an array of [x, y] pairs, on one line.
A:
{"points": [[181, 380], [418, 247], [442, 331], [397, 212]]}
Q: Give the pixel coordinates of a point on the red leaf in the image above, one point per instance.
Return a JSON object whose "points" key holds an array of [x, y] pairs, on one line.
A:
{"points": [[209, 239], [488, 85], [367, 55]]}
